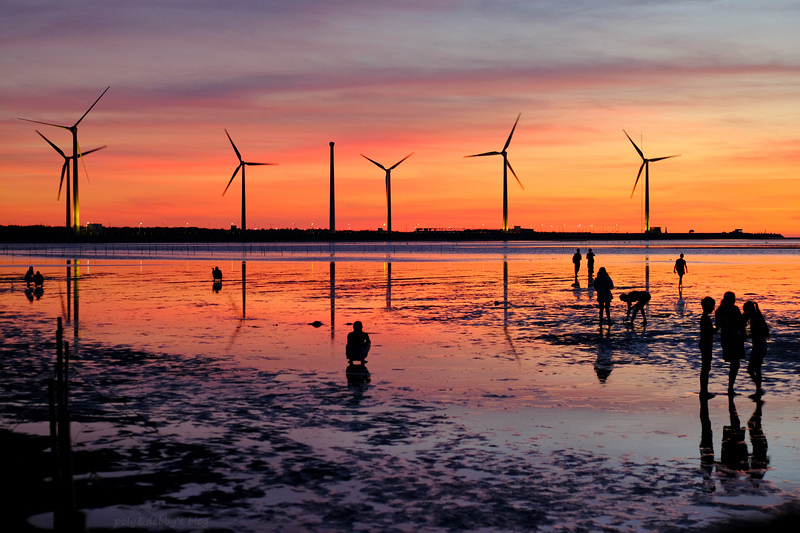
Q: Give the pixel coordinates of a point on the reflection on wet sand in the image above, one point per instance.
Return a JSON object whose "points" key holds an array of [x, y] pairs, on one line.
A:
{"points": [[388, 267], [447, 394], [735, 459], [333, 298], [603, 365]]}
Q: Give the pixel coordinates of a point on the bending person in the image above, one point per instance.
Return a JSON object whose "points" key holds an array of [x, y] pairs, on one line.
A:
{"points": [[636, 300]]}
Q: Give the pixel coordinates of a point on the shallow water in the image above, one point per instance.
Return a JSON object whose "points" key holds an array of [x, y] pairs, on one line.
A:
{"points": [[495, 399]]}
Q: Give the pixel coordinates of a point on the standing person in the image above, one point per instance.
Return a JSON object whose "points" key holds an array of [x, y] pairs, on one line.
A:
{"points": [[681, 268], [730, 324], [576, 259], [590, 262], [707, 331], [759, 331], [29, 276], [603, 286], [636, 300], [358, 344]]}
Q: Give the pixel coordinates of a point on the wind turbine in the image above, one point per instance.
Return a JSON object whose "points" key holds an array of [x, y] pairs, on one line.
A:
{"points": [[388, 186], [76, 153], [242, 165], [646, 166], [506, 168], [65, 167]]}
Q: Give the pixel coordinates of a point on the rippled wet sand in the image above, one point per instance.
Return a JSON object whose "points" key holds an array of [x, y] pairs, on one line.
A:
{"points": [[495, 399]]}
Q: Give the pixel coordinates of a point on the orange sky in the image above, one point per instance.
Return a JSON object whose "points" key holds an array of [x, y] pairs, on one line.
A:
{"points": [[443, 79]]}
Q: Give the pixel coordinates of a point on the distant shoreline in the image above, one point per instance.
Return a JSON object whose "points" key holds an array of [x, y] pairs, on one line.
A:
{"points": [[50, 234]]}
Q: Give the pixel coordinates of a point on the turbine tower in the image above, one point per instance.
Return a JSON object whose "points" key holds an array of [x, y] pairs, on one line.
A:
{"points": [[76, 153], [65, 168], [332, 209], [506, 168], [646, 166], [388, 187], [242, 165]]}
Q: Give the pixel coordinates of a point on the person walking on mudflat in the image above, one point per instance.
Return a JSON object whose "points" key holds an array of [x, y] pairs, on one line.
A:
{"points": [[759, 331], [576, 260], [707, 331], [730, 325], [603, 286], [681, 268]]}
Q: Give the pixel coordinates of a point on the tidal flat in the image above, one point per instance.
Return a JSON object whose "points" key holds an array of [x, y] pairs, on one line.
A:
{"points": [[495, 401]]}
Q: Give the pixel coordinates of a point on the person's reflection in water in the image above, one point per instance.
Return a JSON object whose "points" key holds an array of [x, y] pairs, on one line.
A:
{"points": [[680, 306], [576, 290], [357, 374], [706, 446], [734, 454], [603, 365], [759, 459]]}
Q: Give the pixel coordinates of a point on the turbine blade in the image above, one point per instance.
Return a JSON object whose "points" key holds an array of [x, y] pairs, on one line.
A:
{"points": [[374, 162], [667, 157], [61, 183], [483, 154], [238, 155], [56, 148], [46, 123], [639, 175], [95, 150], [234, 175], [80, 156], [512, 133], [257, 164], [90, 107], [515, 174], [406, 157], [634, 144]]}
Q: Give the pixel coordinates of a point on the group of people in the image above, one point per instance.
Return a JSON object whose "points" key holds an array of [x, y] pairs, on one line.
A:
{"points": [[603, 285], [37, 279], [732, 324]]}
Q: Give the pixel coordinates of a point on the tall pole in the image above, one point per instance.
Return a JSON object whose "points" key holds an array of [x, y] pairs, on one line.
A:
{"points": [[505, 192], [332, 221]]}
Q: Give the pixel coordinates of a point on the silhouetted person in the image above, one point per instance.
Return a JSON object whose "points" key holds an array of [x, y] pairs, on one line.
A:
{"points": [[759, 331], [216, 273], [590, 262], [636, 301], [603, 286], [707, 331], [38, 280], [576, 260], [730, 325], [29, 276], [681, 268], [358, 344]]}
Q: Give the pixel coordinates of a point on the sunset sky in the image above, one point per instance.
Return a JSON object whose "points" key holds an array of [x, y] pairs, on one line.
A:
{"points": [[715, 81]]}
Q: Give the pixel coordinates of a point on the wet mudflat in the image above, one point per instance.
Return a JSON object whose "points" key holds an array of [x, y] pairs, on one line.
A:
{"points": [[495, 400]]}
